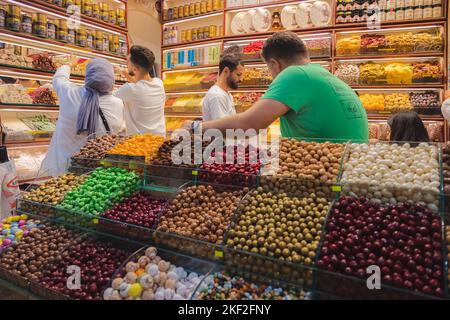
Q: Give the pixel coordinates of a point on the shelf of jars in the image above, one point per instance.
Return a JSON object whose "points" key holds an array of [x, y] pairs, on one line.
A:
{"points": [[19, 28], [110, 15], [178, 11], [307, 262]]}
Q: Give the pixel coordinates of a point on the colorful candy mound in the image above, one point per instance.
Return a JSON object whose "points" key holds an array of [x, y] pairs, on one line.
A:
{"points": [[13, 229], [224, 287]]}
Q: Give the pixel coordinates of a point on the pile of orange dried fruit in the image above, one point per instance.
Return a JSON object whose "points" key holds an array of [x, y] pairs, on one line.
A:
{"points": [[143, 145]]}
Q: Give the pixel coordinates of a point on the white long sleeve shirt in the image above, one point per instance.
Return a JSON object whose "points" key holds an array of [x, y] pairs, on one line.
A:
{"points": [[217, 104], [446, 109], [65, 141], [144, 106]]}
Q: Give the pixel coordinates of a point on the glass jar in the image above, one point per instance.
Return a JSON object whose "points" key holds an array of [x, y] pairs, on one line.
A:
{"points": [[121, 21], [213, 31], [188, 35], [400, 14], [61, 32], [105, 43], [113, 43], [437, 2], [96, 10], [186, 11], [418, 12], [382, 15], [180, 12], [437, 11], [112, 17], [183, 36], [104, 12], [87, 7], [194, 35], [89, 39], [81, 37], [427, 12], [13, 20], [40, 24], [418, 3], [192, 9], [2, 16], [216, 5], [175, 14], [409, 13], [391, 4], [197, 8], [409, 3], [123, 49], [51, 29], [203, 5], [71, 35], [98, 42], [390, 15], [206, 34], [427, 2], [209, 5], [27, 23], [400, 4], [170, 14]]}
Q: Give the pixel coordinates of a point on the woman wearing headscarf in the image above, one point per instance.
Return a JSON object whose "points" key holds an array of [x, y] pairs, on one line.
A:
{"points": [[83, 110]]}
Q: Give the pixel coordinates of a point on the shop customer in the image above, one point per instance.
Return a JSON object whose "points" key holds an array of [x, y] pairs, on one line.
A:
{"points": [[83, 110], [408, 127], [311, 102], [143, 96], [218, 101]]}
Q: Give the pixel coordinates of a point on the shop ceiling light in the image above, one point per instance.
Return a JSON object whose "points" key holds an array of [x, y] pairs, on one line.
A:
{"points": [[61, 17], [194, 18]]}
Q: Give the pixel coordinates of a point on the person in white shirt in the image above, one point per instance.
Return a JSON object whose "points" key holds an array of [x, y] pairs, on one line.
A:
{"points": [[143, 96], [218, 101], [445, 108], [83, 111]]}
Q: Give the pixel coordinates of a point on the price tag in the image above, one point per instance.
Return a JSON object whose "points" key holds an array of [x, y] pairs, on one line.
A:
{"points": [[218, 254], [95, 221], [336, 188], [194, 172]]}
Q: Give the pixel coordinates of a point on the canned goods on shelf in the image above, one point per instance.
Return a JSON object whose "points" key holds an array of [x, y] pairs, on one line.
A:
{"points": [[96, 11], [27, 23], [180, 11], [2, 16], [81, 37], [98, 42], [192, 9], [112, 17], [105, 42], [87, 7], [71, 35], [186, 10], [89, 39], [62, 30], [51, 29]]}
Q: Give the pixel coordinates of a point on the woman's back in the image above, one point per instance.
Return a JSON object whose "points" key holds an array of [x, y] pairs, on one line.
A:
{"points": [[66, 141]]}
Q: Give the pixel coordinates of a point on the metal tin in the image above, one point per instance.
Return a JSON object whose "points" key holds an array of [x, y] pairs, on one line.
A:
{"points": [[89, 39], [105, 42], [216, 5], [96, 10], [198, 8], [81, 37], [40, 24], [51, 29], [180, 11], [192, 9], [200, 34], [98, 42], [2, 16], [87, 7], [71, 36], [114, 44], [62, 30], [189, 35], [209, 5], [121, 21], [123, 48], [186, 10], [112, 17], [213, 31], [27, 23], [13, 10], [203, 6], [104, 11]]}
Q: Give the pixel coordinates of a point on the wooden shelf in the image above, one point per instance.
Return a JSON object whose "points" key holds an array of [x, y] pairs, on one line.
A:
{"points": [[384, 25], [191, 43], [44, 72], [19, 38], [422, 116], [39, 4], [397, 86], [388, 56], [28, 107], [281, 3], [204, 15], [42, 142], [207, 66]]}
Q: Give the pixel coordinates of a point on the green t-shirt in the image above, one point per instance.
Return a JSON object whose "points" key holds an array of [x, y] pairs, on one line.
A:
{"points": [[322, 106]]}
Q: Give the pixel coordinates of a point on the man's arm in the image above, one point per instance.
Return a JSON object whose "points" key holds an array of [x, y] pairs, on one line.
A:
{"points": [[260, 116]]}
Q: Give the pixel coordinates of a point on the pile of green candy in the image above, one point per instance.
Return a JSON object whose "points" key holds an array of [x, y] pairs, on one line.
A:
{"points": [[102, 189]]}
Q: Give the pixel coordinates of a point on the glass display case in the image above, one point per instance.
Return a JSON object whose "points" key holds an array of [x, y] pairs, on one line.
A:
{"points": [[319, 46], [195, 79], [390, 101], [28, 160], [184, 57], [276, 17], [182, 103], [27, 125], [256, 76], [379, 130], [413, 40], [395, 71], [28, 91]]}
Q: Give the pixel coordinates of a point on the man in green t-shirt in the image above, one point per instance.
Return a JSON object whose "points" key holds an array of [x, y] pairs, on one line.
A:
{"points": [[311, 102]]}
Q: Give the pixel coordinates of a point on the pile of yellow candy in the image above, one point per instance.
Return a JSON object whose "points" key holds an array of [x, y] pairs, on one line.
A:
{"points": [[399, 73], [372, 101], [397, 101], [350, 45]]}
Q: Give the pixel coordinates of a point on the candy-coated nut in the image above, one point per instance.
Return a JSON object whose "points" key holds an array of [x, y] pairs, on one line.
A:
{"points": [[152, 269], [139, 272], [151, 252], [131, 267], [163, 266], [170, 284], [23, 217], [135, 290], [143, 261], [131, 277], [116, 283], [146, 281], [148, 295]]}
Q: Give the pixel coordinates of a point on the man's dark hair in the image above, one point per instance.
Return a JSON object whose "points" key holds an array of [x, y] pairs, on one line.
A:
{"points": [[232, 61], [284, 45], [142, 57]]}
